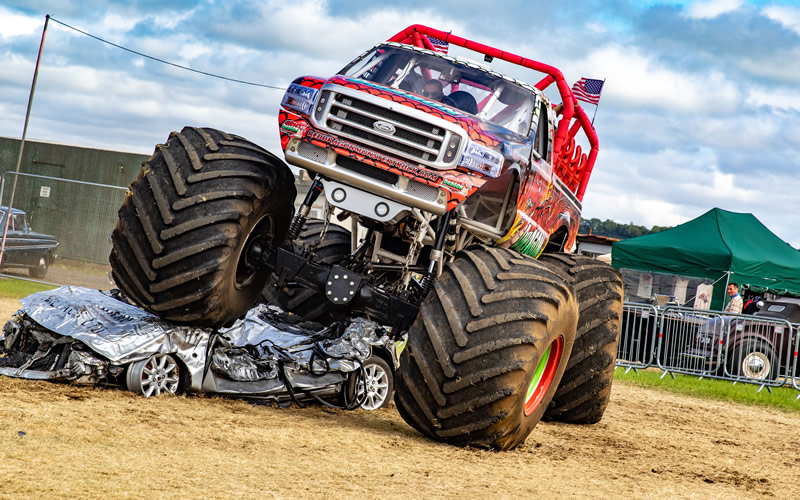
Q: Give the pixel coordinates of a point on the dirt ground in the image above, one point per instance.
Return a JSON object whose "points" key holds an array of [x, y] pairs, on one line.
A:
{"points": [[67, 441], [68, 273]]}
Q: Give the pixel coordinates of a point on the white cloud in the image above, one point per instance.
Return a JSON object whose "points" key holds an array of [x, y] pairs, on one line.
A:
{"points": [[300, 25], [784, 99], [712, 8], [635, 80], [14, 24], [786, 16]]}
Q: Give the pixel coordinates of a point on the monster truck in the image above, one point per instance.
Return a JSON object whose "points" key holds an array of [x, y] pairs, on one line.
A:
{"points": [[454, 178]]}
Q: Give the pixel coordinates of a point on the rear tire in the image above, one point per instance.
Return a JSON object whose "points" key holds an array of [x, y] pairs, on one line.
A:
{"points": [[487, 350], [334, 248], [188, 234], [582, 396]]}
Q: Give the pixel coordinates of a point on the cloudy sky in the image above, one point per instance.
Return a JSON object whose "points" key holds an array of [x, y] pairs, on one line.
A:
{"points": [[700, 109]]}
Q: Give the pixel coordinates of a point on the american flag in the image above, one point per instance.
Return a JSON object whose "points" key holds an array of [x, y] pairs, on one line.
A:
{"points": [[439, 45], [588, 90]]}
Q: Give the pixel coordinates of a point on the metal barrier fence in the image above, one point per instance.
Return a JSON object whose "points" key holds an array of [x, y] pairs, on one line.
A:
{"points": [[638, 337], [735, 347], [80, 215]]}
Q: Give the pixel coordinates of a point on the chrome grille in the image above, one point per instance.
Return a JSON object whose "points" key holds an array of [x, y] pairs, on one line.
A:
{"points": [[407, 136]]}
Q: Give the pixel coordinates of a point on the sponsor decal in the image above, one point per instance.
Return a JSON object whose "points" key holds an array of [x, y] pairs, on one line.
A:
{"points": [[526, 236], [290, 126], [453, 184], [388, 160]]}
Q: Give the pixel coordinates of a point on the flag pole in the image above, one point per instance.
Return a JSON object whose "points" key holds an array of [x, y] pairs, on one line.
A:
{"points": [[598, 102], [22, 139]]}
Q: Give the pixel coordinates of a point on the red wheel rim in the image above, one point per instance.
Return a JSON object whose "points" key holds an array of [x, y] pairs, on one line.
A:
{"points": [[543, 375]]}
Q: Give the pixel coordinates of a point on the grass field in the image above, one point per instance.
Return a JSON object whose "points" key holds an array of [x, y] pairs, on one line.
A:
{"points": [[11, 288], [723, 390]]}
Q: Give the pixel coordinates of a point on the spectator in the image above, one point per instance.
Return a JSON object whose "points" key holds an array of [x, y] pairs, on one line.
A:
{"points": [[735, 304], [433, 89]]}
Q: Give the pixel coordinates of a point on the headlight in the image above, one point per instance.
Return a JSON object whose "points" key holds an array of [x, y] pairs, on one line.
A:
{"points": [[481, 159], [299, 98]]}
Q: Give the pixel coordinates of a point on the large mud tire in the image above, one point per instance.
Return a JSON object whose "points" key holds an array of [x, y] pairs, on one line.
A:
{"points": [[183, 247], [334, 248], [585, 389], [487, 350]]}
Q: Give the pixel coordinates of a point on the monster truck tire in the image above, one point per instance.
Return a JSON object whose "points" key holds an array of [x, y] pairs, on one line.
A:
{"points": [[583, 393], [186, 241], [487, 350], [334, 248]]}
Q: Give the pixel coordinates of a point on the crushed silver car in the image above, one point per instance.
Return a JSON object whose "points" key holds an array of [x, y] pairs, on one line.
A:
{"points": [[87, 336]]}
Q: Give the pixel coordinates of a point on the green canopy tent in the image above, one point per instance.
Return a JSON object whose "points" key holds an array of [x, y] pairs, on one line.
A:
{"points": [[718, 244]]}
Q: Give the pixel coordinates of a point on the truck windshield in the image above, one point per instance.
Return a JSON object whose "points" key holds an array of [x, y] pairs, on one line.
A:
{"points": [[459, 84]]}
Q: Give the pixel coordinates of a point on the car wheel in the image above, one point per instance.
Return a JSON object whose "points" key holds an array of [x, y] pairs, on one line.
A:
{"points": [[40, 271], [754, 360], [374, 386], [156, 375]]}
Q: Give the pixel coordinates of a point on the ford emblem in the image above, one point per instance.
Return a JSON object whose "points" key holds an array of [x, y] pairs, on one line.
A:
{"points": [[385, 127]]}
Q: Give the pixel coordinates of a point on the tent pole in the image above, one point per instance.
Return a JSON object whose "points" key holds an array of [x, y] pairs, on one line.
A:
{"points": [[727, 282]]}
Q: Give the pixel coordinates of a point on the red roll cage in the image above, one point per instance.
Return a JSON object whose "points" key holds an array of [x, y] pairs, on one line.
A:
{"points": [[571, 165]]}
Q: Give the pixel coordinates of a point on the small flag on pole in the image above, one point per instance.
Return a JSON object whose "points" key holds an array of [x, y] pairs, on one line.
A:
{"points": [[588, 90], [439, 45]]}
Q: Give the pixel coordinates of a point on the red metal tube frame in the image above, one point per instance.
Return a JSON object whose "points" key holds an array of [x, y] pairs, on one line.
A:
{"points": [[571, 108]]}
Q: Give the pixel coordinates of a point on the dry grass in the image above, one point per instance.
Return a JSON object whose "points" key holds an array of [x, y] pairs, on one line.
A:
{"points": [[66, 441], [99, 443]]}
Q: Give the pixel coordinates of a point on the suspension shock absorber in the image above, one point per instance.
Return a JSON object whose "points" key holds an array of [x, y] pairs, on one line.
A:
{"points": [[302, 213], [436, 254]]}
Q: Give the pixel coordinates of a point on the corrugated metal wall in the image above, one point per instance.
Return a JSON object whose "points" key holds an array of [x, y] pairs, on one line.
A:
{"points": [[80, 216]]}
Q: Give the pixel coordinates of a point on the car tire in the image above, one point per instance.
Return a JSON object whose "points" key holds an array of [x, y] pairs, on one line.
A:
{"points": [[584, 391], [333, 249], [487, 350], [753, 359], [373, 384], [40, 271], [186, 244], [159, 374]]}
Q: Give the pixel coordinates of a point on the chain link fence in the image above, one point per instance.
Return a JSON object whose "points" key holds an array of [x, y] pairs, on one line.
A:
{"points": [[59, 230]]}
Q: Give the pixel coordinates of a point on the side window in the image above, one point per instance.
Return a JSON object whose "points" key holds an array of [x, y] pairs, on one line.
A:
{"points": [[541, 140]]}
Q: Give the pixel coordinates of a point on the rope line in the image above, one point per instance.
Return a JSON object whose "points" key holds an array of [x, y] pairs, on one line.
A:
{"points": [[166, 62]]}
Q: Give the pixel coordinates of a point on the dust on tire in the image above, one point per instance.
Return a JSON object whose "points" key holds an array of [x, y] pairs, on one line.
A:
{"points": [[473, 349], [585, 389], [179, 247]]}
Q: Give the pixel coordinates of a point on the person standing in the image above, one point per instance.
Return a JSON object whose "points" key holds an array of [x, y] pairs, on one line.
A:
{"points": [[735, 303]]}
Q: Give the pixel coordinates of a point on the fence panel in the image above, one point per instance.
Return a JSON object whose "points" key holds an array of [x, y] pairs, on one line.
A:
{"points": [[638, 336], [688, 341], [81, 216], [759, 350]]}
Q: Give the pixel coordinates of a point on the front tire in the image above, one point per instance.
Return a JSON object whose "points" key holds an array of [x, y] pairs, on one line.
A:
{"points": [[40, 271], [487, 350], [753, 359], [585, 389], [186, 244]]}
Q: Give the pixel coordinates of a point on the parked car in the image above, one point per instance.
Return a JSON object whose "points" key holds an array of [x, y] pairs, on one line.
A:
{"points": [[25, 247], [756, 347]]}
